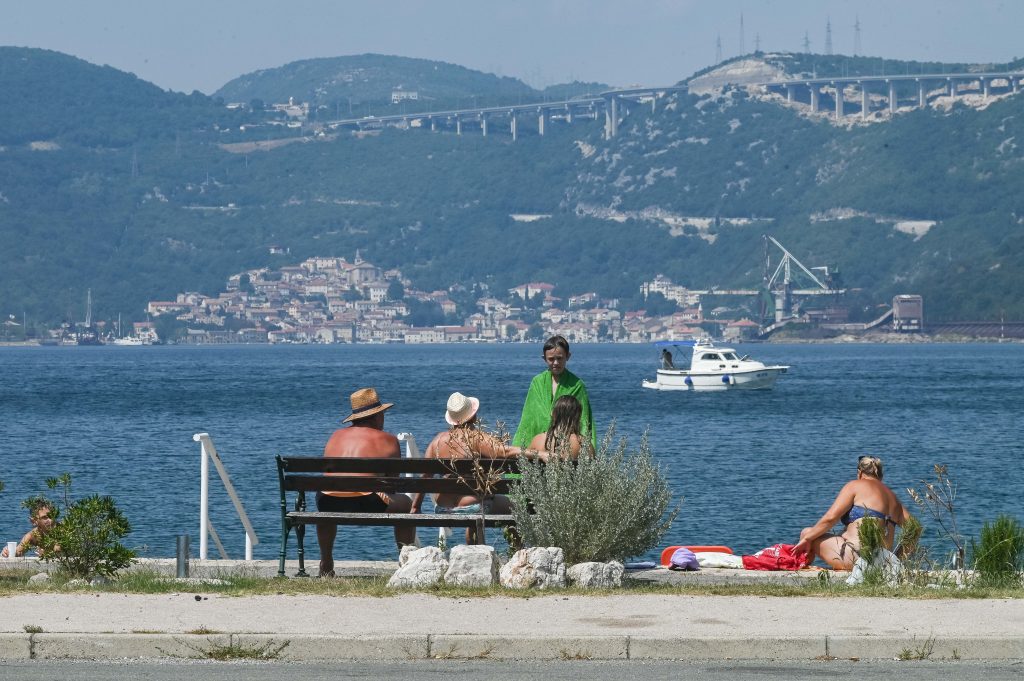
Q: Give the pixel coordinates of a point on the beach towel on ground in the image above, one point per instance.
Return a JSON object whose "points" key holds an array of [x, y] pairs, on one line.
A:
{"points": [[715, 559], [776, 557]]}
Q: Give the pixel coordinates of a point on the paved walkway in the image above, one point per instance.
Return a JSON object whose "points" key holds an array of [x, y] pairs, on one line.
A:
{"points": [[546, 626]]}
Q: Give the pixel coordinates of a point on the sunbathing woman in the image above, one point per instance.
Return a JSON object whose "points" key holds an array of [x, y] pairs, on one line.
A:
{"points": [[865, 497], [563, 436]]}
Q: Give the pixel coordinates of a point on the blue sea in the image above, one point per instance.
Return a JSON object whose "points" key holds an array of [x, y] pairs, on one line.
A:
{"points": [[750, 468]]}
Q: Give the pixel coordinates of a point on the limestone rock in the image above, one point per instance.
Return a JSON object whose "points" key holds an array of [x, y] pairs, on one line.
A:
{"points": [[596, 575], [39, 578], [470, 565], [537, 567], [421, 567]]}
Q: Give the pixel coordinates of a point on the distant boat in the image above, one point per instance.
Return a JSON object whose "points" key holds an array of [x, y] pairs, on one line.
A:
{"points": [[714, 368], [128, 340]]}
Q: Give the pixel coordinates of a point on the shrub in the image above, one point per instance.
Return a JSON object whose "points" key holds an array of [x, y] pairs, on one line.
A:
{"points": [[607, 505], [999, 557], [85, 538], [872, 539]]}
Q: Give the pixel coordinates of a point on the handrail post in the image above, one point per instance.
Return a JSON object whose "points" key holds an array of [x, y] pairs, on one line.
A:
{"points": [[210, 452], [204, 494]]}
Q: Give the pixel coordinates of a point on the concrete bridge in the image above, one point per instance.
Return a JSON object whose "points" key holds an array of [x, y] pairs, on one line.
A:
{"points": [[888, 87], [613, 105]]}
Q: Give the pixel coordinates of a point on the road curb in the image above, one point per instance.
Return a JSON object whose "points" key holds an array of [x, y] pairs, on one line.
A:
{"points": [[317, 647]]}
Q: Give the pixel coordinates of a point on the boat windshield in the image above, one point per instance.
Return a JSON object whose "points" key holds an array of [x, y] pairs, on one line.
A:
{"points": [[730, 356], [711, 356]]}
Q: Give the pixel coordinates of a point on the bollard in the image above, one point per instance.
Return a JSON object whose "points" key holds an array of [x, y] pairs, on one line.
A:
{"points": [[182, 565]]}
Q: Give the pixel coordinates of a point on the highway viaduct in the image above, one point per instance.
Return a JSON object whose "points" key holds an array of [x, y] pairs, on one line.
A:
{"points": [[614, 105]]}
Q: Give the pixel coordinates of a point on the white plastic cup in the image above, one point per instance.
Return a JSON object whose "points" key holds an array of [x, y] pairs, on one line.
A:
{"points": [[12, 549]]}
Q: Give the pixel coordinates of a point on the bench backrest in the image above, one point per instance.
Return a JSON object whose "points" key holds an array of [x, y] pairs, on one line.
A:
{"points": [[454, 476]]}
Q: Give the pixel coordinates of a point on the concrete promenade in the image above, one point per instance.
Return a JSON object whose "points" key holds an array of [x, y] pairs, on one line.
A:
{"points": [[549, 625]]}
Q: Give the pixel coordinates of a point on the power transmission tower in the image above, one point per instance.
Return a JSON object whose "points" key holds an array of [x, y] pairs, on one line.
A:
{"points": [[807, 43], [743, 40], [828, 36], [856, 37], [718, 50]]}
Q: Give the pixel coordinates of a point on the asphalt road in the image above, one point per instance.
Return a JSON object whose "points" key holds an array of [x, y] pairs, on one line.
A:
{"points": [[512, 671]]}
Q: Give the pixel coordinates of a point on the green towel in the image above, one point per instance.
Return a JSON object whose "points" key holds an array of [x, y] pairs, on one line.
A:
{"points": [[536, 416]]}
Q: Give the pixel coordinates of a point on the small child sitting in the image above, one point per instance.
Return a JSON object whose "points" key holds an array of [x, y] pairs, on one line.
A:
{"points": [[39, 516]]}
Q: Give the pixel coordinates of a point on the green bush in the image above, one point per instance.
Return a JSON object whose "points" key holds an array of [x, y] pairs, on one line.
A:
{"points": [[607, 505], [85, 538], [999, 557], [872, 540]]}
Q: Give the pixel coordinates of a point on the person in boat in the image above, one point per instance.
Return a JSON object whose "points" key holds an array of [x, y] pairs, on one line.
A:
{"points": [[464, 440], [40, 516], [563, 435], [666, 359], [865, 497], [365, 437], [548, 386]]}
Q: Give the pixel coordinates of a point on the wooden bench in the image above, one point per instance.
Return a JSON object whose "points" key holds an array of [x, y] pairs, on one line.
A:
{"points": [[302, 474]]}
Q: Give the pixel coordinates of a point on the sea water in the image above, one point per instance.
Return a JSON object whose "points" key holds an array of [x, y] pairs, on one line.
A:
{"points": [[749, 468]]}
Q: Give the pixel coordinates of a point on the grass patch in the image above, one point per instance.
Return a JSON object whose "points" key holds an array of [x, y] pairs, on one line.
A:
{"points": [[239, 651], [918, 652], [246, 584], [33, 629]]}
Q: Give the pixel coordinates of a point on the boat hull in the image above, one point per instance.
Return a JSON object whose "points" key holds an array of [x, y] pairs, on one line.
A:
{"points": [[762, 378]]}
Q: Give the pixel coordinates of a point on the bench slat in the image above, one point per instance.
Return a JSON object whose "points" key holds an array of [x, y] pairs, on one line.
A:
{"points": [[402, 519], [390, 467], [306, 483]]}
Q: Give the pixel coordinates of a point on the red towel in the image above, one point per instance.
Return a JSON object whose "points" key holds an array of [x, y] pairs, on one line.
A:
{"points": [[777, 557]]}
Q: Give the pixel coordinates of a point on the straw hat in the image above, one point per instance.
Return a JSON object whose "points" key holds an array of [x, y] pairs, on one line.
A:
{"points": [[460, 409], [366, 403]]}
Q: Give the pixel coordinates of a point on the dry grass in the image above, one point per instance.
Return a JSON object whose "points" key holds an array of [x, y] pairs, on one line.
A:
{"points": [[142, 582]]}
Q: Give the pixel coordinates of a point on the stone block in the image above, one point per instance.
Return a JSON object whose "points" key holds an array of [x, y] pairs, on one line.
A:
{"points": [[470, 565], [421, 567], [535, 568], [596, 575]]}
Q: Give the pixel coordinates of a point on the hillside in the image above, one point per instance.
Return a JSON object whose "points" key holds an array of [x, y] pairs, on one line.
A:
{"points": [[129, 193], [370, 78]]}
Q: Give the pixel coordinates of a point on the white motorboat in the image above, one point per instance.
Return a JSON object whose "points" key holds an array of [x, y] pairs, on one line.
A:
{"points": [[128, 340], [712, 368]]}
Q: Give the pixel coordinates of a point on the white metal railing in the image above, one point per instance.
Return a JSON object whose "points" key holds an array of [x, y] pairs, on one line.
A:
{"points": [[208, 452], [411, 451]]}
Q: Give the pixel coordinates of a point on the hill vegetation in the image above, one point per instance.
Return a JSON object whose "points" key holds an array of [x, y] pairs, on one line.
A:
{"points": [[110, 183]]}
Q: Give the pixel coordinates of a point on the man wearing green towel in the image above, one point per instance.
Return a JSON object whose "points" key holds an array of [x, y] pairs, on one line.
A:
{"points": [[548, 386]]}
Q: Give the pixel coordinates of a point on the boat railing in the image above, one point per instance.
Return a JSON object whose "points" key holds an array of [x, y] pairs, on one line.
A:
{"points": [[206, 529]]}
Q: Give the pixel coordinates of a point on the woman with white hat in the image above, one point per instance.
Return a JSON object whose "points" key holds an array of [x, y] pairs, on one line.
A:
{"points": [[465, 440]]}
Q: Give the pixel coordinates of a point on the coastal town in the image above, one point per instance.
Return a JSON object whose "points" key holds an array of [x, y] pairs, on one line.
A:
{"points": [[334, 300]]}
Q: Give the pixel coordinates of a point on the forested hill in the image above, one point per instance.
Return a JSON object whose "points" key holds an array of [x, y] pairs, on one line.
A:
{"points": [[371, 78], [111, 184]]}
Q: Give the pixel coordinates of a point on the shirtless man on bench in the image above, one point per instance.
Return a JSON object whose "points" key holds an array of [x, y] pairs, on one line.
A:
{"points": [[363, 438]]}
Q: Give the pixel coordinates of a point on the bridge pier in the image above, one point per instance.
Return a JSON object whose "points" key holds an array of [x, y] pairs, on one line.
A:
{"points": [[839, 101], [1015, 85], [922, 98], [865, 103], [815, 99], [790, 92], [892, 97], [568, 115], [458, 125], [986, 87], [542, 121], [433, 124], [483, 124], [611, 121], [513, 127], [951, 85]]}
